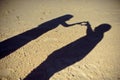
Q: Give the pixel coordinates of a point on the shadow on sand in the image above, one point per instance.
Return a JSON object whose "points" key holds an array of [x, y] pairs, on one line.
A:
{"points": [[12, 44], [69, 54]]}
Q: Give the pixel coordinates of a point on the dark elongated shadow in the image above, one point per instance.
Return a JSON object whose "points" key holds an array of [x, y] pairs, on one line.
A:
{"points": [[69, 54], [12, 44]]}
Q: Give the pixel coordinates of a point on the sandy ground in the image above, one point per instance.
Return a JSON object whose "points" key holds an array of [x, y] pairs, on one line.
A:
{"points": [[19, 16]]}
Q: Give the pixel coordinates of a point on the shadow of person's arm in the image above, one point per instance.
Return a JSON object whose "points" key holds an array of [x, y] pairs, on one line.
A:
{"points": [[67, 25], [84, 23], [89, 29]]}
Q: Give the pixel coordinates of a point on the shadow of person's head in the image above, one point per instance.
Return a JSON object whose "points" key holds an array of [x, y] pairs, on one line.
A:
{"points": [[66, 17], [103, 28]]}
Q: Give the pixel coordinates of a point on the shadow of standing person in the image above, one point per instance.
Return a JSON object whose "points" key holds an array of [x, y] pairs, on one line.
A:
{"points": [[12, 44], [69, 54]]}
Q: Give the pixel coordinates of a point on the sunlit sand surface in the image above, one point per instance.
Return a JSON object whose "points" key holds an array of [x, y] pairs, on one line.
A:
{"points": [[19, 16]]}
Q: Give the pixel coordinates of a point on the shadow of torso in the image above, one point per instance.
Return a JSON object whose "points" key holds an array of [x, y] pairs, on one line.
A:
{"points": [[73, 52]]}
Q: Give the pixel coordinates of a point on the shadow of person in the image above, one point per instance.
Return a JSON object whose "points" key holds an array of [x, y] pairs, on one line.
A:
{"points": [[12, 44], [69, 54]]}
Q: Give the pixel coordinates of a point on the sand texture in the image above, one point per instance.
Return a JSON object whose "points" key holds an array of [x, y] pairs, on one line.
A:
{"points": [[37, 44]]}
